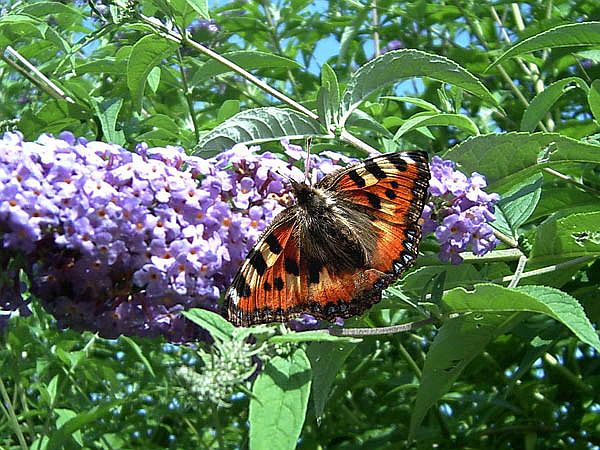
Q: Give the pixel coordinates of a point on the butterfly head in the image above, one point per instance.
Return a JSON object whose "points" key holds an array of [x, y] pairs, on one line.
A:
{"points": [[304, 193]]}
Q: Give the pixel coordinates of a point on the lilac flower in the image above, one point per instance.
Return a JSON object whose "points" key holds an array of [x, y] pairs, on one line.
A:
{"points": [[394, 44], [460, 212], [203, 30], [121, 242]]}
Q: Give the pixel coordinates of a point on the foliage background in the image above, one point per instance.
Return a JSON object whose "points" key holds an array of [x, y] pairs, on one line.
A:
{"points": [[523, 380]]}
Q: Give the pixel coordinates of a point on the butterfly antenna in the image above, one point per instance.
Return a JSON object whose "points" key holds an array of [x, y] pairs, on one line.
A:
{"points": [[307, 178]]}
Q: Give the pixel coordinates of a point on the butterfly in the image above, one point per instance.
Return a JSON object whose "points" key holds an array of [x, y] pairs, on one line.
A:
{"points": [[338, 247]]}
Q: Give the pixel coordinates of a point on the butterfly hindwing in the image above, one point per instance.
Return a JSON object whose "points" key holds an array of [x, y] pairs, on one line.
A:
{"points": [[260, 291]]}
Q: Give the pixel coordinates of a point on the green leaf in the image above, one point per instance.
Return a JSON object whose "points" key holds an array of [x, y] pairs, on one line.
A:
{"points": [[507, 159], [415, 101], [256, 126], [567, 238], [518, 204], [330, 83], [571, 35], [350, 32], [559, 305], [329, 77], [361, 119], [52, 390], [557, 199], [228, 109], [457, 343], [541, 103], [326, 359], [594, 99], [17, 26], [140, 354], [457, 275], [154, 79], [214, 323], [64, 415], [63, 15], [439, 119], [310, 336], [145, 55], [324, 107], [201, 7], [400, 64], [105, 65], [108, 113], [92, 415], [279, 401], [249, 60]]}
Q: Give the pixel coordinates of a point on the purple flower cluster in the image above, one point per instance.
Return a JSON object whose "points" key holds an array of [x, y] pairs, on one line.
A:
{"points": [[121, 242], [202, 24], [460, 211]]}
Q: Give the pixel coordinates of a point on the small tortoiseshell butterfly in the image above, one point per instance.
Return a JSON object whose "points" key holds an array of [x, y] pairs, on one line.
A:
{"points": [[343, 242]]}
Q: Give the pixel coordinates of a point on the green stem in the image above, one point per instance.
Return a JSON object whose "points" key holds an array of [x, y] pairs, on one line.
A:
{"points": [[478, 32], [183, 39], [275, 39], [375, 22], [571, 378], [29, 71], [511, 242], [510, 254], [571, 180], [535, 72], [519, 272], [548, 269], [173, 36], [358, 332], [218, 428], [187, 93], [9, 411], [410, 361]]}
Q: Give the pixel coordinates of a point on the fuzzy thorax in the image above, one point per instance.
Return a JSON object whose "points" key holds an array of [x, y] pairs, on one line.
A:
{"points": [[332, 232]]}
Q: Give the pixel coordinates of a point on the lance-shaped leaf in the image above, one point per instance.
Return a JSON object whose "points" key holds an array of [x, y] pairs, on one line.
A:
{"points": [[457, 343], [567, 238], [489, 310], [552, 302], [541, 103], [145, 55], [571, 35], [507, 159], [249, 60], [440, 119], [279, 402], [215, 324], [108, 113], [594, 99], [256, 126], [327, 358], [400, 64]]}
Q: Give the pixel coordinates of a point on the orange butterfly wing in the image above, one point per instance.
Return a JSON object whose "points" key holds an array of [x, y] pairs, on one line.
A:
{"points": [[277, 283], [393, 188], [261, 290]]}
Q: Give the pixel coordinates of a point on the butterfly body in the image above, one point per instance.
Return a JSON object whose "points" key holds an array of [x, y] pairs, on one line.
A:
{"points": [[330, 230], [334, 251]]}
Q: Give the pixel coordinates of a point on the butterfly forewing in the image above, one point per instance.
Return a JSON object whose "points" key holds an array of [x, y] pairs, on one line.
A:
{"points": [[393, 188], [277, 282]]}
